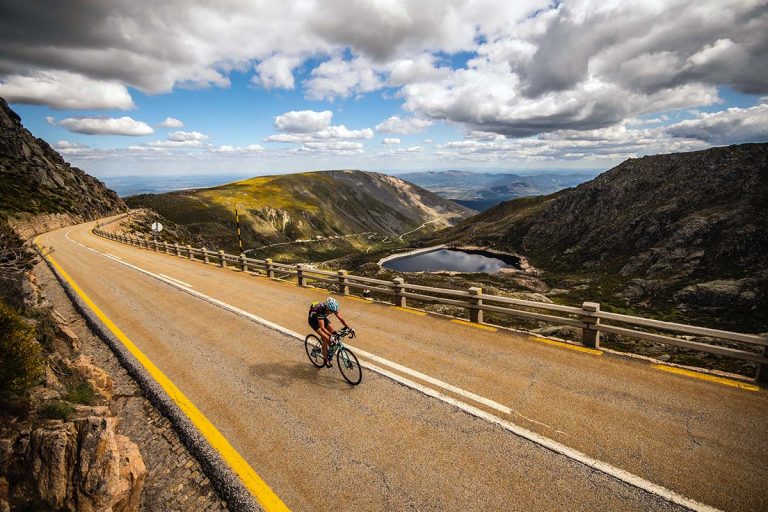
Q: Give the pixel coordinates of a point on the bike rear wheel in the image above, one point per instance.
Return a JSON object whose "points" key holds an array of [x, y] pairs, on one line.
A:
{"points": [[349, 366], [314, 348]]}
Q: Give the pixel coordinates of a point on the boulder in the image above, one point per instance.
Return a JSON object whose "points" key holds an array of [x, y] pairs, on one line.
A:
{"points": [[84, 465], [133, 472], [96, 377], [69, 336], [719, 294]]}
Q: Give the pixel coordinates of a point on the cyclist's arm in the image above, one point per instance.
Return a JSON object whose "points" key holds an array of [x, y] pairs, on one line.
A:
{"points": [[341, 319]]}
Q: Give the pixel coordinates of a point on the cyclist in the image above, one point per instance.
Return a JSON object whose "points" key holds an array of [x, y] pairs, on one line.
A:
{"points": [[318, 320]]}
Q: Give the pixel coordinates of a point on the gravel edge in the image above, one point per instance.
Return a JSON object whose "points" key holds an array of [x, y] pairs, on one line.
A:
{"points": [[225, 481]]}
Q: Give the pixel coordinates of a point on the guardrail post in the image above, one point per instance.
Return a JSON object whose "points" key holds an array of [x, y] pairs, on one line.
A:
{"points": [[167, 247], [243, 264], [222, 260], [590, 336], [400, 300], [343, 282], [476, 302], [762, 369], [270, 268], [300, 275], [206, 258], [178, 249], [189, 252]]}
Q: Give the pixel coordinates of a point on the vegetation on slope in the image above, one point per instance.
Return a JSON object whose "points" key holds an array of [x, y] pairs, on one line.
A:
{"points": [[328, 206]]}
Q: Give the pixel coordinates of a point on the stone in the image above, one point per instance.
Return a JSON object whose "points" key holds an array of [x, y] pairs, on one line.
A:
{"points": [[69, 335], [52, 382], [52, 453], [84, 465], [133, 473], [96, 377]]}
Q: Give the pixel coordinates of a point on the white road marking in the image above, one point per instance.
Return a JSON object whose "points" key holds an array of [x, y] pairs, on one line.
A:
{"points": [[112, 256], [517, 430], [177, 281]]}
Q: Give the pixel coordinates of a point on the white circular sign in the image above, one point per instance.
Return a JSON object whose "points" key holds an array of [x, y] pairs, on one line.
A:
{"points": [[156, 226]]}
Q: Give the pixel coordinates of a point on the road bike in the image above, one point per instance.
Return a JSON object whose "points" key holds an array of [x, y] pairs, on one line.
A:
{"points": [[346, 360]]}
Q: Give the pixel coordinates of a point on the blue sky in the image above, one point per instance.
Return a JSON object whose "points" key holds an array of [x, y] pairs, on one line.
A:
{"points": [[390, 86]]}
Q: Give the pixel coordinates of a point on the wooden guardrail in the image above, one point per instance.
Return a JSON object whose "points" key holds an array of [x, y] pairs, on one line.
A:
{"points": [[588, 317]]}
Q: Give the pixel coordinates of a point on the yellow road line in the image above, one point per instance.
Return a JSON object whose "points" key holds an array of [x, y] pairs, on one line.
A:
{"points": [[266, 496], [408, 310], [476, 326], [358, 299], [577, 348], [707, 377]]}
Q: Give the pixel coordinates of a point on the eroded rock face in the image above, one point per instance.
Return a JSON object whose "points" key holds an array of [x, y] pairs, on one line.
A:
{"points": [[96, 377], [39, 189], [724, 293], [83, 465]]}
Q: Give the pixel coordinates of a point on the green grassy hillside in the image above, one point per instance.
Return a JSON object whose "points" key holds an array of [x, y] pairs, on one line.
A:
{"points": [[286, 208]]}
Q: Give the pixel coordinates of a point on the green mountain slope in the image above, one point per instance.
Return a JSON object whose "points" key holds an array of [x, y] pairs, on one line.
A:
{"points": [[686, 232], [285, 208]]}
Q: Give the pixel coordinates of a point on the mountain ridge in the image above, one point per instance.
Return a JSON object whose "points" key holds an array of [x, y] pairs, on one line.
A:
{"points": [[688, 230], [39, 190], [321, 204]]}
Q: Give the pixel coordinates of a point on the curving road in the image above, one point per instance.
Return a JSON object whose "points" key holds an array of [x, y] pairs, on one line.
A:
{"points": [[458, 418]]}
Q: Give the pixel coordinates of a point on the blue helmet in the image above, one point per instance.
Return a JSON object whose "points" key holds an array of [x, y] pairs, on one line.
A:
{"points": [[332, 304]]}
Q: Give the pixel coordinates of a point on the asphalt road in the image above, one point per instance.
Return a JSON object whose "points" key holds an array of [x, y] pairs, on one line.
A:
{"points": [[321, 444]]}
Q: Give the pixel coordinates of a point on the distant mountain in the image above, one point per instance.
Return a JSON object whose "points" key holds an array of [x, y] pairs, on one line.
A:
{"points": [[688, 230], [481, 191], [288, 207], [35, 181]]}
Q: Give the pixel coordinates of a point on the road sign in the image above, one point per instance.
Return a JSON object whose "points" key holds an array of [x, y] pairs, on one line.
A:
{"points": [[157, 227]]}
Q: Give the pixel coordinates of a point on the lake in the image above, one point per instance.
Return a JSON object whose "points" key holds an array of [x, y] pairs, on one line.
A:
{"points": [[453, 260]]}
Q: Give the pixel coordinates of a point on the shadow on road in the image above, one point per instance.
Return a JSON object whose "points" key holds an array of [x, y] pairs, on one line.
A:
{"points": [[287, 373]]}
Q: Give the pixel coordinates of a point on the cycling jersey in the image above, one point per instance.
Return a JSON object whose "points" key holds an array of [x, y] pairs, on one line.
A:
{"points": [[319, 310]]}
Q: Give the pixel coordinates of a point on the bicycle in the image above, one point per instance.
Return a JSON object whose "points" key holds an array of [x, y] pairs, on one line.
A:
{"points": [[346, 360]]}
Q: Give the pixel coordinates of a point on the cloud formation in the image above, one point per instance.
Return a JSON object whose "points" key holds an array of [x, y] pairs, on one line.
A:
{"points": [[171, 122], [407, 126], [64, 90], [536, 71], [304, 121], [107, 126]]}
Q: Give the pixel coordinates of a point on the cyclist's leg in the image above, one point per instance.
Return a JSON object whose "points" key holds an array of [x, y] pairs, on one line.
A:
{"points": [[317, 326], [325, 335]]}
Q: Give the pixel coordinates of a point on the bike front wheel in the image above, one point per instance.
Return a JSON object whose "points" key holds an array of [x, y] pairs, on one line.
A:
{"points": [[314, 348], [349, 366]]}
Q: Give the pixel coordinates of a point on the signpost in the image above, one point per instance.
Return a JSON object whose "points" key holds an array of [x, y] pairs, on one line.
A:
{"points": [[156, 228]]}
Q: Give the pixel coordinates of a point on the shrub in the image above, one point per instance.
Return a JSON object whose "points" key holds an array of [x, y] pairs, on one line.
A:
{"points": [[21, 362], [56, 410], [81, 393]]}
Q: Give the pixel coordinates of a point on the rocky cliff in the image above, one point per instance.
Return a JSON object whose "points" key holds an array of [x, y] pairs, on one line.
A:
{"points": [[688, 230], [38, 187]]}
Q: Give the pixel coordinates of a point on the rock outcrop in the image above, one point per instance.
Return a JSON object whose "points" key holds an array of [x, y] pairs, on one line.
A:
{"points": [[83, 465], [40, 191]]}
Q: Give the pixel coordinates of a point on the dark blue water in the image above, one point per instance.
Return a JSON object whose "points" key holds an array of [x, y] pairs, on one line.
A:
{"points": [[452, 260]]}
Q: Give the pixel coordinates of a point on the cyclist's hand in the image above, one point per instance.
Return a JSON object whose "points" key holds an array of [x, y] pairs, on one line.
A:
{"points": [[352, 333]]}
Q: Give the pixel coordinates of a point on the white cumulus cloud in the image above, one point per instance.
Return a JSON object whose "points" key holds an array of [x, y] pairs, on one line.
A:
{"points": [[181, 136], [107, 126], [390, 141], [65, 90], [303, 121], [171, 122], [409, 125]]}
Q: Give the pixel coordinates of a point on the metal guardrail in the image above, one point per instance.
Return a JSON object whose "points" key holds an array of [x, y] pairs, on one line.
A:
{"points": [[588, 317]]}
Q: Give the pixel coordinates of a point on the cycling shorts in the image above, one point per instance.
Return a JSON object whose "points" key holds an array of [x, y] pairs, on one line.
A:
{"points": [[314, 322]]}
